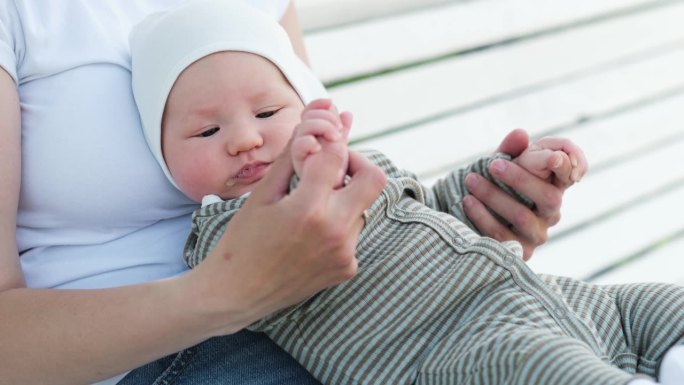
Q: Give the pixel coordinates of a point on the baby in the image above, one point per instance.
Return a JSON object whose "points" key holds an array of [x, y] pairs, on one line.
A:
{"points": [[220, 93]]}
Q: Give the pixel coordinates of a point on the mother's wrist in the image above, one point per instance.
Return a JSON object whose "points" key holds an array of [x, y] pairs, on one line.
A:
{"points": [[210, 311]]}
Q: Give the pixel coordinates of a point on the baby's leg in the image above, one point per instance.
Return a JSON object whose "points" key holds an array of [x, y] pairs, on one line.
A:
{"points": [[652, 318], [520, 356]]}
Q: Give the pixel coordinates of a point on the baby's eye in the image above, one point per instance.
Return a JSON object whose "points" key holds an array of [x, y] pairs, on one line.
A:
{"points": [[266, 114], [209, 132]]}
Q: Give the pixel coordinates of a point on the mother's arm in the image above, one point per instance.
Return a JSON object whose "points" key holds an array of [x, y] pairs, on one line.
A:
{"points": [[82, 336], [529, 226], [74, 336], [10, 175], [290, 23]]}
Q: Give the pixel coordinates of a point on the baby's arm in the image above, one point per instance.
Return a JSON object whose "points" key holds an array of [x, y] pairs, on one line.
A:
{"points": [[321, 126], [557, 160]]}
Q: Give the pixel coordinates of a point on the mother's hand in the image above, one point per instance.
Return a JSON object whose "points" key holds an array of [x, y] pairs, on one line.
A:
{"points": [[528, 226], [281, 248]]}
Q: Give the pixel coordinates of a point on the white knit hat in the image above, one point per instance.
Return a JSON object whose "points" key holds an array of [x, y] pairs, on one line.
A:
{"points": [[164, 44]]}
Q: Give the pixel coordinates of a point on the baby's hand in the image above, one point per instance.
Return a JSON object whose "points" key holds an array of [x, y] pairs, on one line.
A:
{"points": [[321, 128], [557, 160]]}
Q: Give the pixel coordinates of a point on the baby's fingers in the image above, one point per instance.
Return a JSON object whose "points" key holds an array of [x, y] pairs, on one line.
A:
{"points": [[560, 164], [578, 160], [346, 118], [329, 115], [303, 146], [320, 128], [539, 162]]}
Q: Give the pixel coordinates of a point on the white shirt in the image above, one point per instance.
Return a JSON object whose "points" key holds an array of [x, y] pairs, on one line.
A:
{"points": [[95, 209]]}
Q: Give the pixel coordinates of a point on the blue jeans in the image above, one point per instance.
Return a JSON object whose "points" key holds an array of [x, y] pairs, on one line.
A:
{"points": [[244, 358]]}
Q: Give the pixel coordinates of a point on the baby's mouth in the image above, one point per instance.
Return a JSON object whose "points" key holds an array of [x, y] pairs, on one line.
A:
{"points": [[247, 173], [249, 170]]}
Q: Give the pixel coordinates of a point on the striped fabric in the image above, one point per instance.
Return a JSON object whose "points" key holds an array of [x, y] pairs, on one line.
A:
{"points": [[435, 303]]}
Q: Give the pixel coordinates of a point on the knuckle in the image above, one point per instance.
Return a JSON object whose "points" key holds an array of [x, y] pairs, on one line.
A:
{"points": [[513, 177], [298, 143], [540, 238], [528, 250], [349, 271], [523, 217], [378, 179], [472, 209], [305, 128], [554, 219], [306, 114], [483, 190], [499, 234], [337, 238], [552, 201], [534, 236], [314, 218], [344, 263], [554, 198]]}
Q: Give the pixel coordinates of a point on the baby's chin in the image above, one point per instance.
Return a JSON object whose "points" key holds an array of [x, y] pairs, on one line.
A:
{"points": [[205, 198], [235, 187], [216, 198], [238, 191]]}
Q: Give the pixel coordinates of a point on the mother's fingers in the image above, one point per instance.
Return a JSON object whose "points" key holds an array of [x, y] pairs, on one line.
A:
{"points": [[318, 178], [364, 187], [546, 197], [275, 184], [530, 236], [514, 143], [484, 221], [279, 248], [523, 220]]}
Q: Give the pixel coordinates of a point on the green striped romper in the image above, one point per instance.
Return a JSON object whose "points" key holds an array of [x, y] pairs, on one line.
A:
{"points": [[435, 303]]}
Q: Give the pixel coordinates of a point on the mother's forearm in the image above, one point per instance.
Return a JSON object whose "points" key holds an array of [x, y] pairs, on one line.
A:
{"points": [[82, 336]]}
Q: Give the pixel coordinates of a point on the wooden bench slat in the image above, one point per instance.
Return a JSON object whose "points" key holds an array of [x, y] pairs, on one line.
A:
{"points": [[625, 145], [475, 132], [664, 264], [325, 14], [620, 184], [605, 73], [641, 143], [633, 143], [394, 100], [616, 188], [610, 241], [366, 47]]}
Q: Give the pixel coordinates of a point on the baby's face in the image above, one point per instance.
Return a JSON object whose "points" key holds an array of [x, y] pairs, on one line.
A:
{"points": [[227, 118]]}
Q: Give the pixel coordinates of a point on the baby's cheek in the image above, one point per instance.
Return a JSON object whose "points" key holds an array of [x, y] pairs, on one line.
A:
{"points": [[198, 180]]}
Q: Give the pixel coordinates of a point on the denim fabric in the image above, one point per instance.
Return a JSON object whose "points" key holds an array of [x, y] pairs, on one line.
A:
{"points": [[244, 358]]}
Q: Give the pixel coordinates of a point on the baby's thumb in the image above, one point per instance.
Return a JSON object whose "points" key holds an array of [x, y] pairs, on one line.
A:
{"points": [[346, 118], [539, 163]]}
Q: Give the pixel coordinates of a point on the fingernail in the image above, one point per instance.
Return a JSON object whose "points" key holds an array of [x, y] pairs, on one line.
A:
{"points": [[467, 201], [574, 175], [573, 161], [559, 162], [499, 166], [471, 181]]}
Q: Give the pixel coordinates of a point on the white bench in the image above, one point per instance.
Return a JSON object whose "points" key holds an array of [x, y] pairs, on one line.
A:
{"points": [[435, 83]]}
